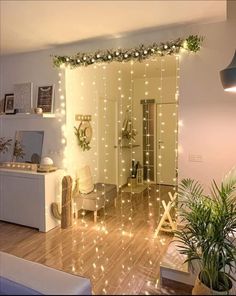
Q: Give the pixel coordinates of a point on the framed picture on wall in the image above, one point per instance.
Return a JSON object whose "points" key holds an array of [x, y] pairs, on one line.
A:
{"points": [[9, 104], [46, 98], [23, 93]]}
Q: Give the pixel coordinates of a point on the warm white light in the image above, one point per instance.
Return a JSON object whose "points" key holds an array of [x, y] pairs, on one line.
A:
{"points": [[231, 89]]}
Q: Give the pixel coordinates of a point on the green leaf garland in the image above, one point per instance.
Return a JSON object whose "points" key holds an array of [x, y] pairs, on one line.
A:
{"points": [[192, 44]]}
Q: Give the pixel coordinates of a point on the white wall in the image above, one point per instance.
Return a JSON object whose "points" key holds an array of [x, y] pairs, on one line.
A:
{"points": [[86, 90], [207, 112], [36, 68]]}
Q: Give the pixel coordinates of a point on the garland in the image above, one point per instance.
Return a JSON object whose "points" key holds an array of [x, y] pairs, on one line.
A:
{"points": [[191, 44]]}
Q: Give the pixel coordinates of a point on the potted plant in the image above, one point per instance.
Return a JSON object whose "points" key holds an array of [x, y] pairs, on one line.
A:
{"points": [[207, 239]]}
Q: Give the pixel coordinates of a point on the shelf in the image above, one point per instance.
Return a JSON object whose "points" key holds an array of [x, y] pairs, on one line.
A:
{"points": [[27, 116], [127, 146]]}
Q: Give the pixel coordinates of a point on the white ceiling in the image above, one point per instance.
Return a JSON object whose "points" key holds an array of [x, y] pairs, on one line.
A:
{"points": [[33, 25]]}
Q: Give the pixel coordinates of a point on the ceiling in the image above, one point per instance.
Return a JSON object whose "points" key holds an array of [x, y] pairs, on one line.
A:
{"points": [[33, 25]]}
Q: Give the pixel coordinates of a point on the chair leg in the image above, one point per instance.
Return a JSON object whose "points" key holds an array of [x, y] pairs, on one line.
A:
{"points": [[95, 214], [115, 202]]}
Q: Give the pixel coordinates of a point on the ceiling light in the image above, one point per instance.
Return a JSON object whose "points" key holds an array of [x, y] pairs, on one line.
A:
{"points": [[228, 76]]}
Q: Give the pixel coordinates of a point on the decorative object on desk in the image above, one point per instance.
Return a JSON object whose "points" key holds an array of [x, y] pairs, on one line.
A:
{"points": [[19, 166], [65, 215], [47, 161], [18, 152], [84, 131], [38, 110], [23, 97], [46, 166], [5, 144], [46, 98], [207, 239], [9, 104], [28, 146]]}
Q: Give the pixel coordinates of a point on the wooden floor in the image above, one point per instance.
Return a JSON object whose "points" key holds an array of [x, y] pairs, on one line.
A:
{"points": [[119, 254]]}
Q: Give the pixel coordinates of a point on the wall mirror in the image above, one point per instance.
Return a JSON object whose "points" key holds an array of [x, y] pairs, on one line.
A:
{"points": [[28, 146], [134, 108]]}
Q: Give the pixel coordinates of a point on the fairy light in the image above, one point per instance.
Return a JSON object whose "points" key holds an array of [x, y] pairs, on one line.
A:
{"points": [[122, 164], [94, 126], [106, 146], [175, 180], [161, 131], [130, 110], [61, 116], [147, 107], [99, 264], [83, 212]]}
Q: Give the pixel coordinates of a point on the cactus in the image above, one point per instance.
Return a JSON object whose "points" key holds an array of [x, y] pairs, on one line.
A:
{"points": [[65, 215]]}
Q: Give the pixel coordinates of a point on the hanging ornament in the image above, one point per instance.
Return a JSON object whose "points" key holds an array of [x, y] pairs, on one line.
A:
{"points": [[84, 132]]}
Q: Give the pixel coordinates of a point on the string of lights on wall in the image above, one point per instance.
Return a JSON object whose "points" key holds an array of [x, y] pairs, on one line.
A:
{"points": [[175, 114], [192, 44], [132, 152], [127, 200]]}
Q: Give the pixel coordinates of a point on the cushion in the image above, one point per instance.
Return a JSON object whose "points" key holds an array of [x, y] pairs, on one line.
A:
{"points": [[8, 287], [21, 276], [85, 180]]}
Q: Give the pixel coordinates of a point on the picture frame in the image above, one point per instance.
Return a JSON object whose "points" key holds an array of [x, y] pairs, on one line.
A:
{"points": [[23, 93], [45, 98], [9, 104]]}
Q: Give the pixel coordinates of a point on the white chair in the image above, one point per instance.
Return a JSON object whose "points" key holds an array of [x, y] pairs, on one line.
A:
{"points": [[91, 197]]}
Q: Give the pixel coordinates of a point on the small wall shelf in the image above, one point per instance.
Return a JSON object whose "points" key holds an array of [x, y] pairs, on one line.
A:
{"points": [[27, 116]]}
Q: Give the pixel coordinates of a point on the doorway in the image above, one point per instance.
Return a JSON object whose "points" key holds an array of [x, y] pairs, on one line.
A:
{"points": [[160, 142]]}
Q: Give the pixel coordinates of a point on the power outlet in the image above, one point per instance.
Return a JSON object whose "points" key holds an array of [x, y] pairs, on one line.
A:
{"points": [[195, 158]]}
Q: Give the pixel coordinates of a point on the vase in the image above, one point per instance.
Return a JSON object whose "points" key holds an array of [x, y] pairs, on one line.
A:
{"points": [[201, 289]]}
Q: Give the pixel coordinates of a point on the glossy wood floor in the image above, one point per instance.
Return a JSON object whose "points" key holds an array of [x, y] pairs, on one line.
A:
{"points": [[119, 253]]}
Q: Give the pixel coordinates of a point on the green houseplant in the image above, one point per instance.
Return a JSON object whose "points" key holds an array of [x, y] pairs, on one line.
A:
{"points": [[207, 239]]}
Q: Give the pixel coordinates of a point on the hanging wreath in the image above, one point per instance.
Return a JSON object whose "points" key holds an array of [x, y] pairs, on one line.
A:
{"points": [[84, 135]]}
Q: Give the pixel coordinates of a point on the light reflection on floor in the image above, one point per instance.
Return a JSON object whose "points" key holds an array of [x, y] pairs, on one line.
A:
{"points": [[119, 255]]}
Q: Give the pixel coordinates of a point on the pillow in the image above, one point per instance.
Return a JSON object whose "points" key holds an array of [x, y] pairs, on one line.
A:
{"points": [[85, 180]]}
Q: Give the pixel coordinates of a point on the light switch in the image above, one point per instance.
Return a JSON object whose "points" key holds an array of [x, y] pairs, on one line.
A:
{"points": [[195, 158]]}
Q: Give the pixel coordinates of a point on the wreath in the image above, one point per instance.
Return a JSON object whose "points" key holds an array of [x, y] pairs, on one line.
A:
{"points": [[84, 135]]}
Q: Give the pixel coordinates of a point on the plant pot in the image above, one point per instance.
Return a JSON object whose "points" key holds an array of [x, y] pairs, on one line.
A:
{"points": [[201, 289]]}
